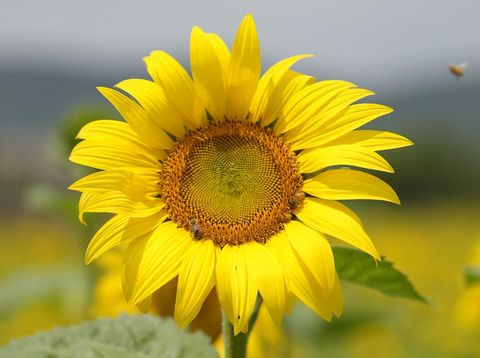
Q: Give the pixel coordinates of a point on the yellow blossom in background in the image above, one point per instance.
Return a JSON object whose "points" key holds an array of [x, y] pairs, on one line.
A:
{"points": [[467, 308], [108, 299], [468, 305], [229, 180], [267, 339]]}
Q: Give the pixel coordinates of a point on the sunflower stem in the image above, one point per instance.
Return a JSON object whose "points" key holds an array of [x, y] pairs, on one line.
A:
{"points": [[236, 345]]}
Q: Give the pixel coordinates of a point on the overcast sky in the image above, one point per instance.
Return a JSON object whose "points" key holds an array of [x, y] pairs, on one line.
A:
{"points": [[372, 41]]}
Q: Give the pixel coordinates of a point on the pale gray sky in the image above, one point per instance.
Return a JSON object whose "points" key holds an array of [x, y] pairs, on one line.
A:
{"points": [[369, 41]]}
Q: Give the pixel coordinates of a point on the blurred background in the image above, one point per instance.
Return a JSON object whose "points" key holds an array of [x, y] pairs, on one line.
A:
{"points": [[54, 53]]}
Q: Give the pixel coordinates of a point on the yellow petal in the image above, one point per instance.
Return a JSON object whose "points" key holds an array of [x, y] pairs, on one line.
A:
{"points": [[289, 301], [305, 104], [243, 70], [195, 280], [308, 291], [295, 84], [311, 160], [268, 93], [131, 262], [107, 237], [105, 155], [353, 117], [97, 129], [144, 306], [314, 251], [138, 119], [267, 273], [222, 52], [335, 301], [121, 229], [347, 184], [235, 288], [133, 182], [160, 113], [335, 219], [292, 83], [177, 85], [374, 140], [118, 134], [162, 255], [207, 73], [116, 203], [327, 117]]}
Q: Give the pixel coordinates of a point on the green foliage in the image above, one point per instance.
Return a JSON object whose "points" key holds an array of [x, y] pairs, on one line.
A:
{"points": [[128, 336], [360, 268], [472, 275]]}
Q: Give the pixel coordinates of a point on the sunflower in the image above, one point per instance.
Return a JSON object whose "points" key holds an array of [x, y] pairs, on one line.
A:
{"points": [[231, 181]]}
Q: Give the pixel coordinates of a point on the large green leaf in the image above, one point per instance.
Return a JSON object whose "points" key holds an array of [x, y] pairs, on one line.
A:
{"points": [[472, 275], [128, 336], [360, 268]]}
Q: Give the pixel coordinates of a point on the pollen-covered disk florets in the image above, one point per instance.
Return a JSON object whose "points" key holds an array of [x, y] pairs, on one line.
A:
{"points": [[234, 181]]}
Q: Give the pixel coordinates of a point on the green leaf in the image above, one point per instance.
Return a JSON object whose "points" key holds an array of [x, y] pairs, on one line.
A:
{"points": [[127, 336], [360, 268], [472, 275]]}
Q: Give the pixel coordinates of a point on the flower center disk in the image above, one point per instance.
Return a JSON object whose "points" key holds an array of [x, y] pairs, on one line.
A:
{"points": [[231, 182]]}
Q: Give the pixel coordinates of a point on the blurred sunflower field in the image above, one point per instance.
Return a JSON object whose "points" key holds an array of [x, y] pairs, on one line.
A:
{"points": [[433, 237]]}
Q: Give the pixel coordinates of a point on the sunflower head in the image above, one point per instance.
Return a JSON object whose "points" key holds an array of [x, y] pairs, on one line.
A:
{"points": [[231, 182], [226, 179]]}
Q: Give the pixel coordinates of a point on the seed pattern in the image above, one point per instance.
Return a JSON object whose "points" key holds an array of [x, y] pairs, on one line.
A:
{"points": [[235, 179]]}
